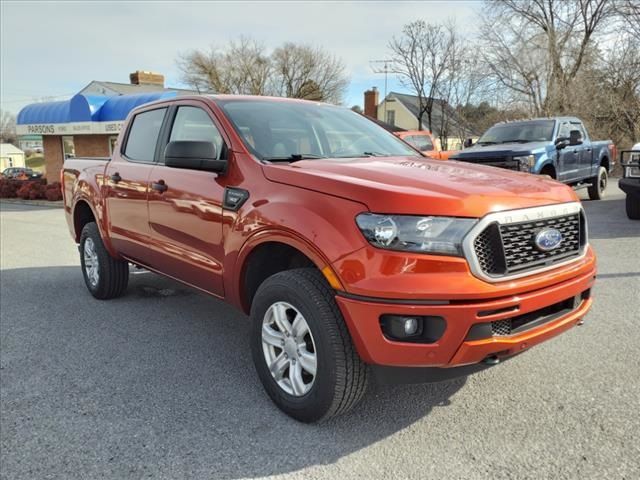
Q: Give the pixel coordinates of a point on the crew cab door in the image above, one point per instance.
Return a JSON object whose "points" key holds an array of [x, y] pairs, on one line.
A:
{"points": [[185, 206], [585, 160], [568, 157], [126, 185]]}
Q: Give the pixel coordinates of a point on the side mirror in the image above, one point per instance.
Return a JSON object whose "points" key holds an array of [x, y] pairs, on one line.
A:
{"points": [[194, 155], [468, 142], [561, 142], [575, 137]]}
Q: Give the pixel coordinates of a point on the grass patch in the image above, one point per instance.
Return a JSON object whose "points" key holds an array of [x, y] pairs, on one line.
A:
{"points": [[35, 162]]}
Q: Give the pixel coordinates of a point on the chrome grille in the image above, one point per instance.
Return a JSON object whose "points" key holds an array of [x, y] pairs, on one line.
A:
{"points": [[520, 252], [489, 251], [503, 244]]}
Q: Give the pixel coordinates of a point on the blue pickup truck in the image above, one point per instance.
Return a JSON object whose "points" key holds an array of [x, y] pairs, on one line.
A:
{"points": [[559, 147]]}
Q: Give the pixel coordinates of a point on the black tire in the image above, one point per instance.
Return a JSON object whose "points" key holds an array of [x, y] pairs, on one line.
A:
{"points": [[598, 184], [633, 207], [113, 274], [341, 377]]}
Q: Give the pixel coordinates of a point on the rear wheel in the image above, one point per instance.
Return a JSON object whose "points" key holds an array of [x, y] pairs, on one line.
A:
{"points": [[302, 349], [598, 184], [633, 207], [105, 276]]}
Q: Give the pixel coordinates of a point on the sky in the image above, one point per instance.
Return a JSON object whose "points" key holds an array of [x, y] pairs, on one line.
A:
{"points": [[54, 49]]}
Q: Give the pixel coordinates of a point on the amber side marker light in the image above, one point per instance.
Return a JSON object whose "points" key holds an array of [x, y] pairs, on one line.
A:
{"points": [[332, 278]]}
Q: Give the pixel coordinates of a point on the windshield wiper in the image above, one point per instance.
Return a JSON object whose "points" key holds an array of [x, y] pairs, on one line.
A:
{"points": [[294, 157], [517, 140], [363, 155], [486, 143]]}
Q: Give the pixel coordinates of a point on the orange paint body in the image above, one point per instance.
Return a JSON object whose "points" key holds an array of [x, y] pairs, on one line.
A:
{"points": [[311, 205]]}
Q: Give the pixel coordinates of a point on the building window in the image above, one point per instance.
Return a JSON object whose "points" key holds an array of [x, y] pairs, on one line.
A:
{"points": [[68, 148], [391, 117]]}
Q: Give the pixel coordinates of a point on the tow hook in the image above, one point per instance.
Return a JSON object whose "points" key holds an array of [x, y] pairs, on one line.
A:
{"points": [[493, 360]]}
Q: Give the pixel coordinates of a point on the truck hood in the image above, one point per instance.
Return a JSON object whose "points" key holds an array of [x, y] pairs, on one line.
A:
{"points": [[502, 150], [419, 186]]}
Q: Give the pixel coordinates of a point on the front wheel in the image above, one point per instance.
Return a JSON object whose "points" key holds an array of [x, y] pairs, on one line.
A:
{"points": [[598, 184], [633, 207], [106, 277], [302, 349]]}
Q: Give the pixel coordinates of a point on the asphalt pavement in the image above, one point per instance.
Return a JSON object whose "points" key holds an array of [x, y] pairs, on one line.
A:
{"points": [[159, 384]]}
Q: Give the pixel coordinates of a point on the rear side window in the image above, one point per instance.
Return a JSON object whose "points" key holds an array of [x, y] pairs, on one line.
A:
{"points": [[143, 135], [194, 124]]}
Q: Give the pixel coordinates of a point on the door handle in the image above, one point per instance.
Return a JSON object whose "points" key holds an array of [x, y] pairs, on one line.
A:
{"points": [[159, 186], [115, 178]]}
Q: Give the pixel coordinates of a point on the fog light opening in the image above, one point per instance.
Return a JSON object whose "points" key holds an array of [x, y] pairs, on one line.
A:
{"points": [[415, 329]]}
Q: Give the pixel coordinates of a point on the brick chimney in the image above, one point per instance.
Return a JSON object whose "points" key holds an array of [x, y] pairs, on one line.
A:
{"points": [[141, 77], [371, 103]]}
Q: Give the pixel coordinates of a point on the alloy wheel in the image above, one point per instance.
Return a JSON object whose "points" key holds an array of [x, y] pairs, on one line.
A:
{"points": [[289, 349], [91, 266]]}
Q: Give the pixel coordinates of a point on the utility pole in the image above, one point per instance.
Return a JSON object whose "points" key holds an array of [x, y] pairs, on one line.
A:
{"points": [[384, 69]]}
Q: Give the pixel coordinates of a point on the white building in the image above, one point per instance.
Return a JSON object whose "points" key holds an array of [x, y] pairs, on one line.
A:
{"points": [[10, 156]]}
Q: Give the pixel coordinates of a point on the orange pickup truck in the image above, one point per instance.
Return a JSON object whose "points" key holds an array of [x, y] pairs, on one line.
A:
{"points": [[426, 143], [353, 254]]}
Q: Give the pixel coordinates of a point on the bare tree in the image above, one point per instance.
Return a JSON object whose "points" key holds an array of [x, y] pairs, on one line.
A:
{"points": [[242, 67], [541, 45], [420, 61], [7, 127], [463, 82], [608, 92], [629, 13], [302, 71]]}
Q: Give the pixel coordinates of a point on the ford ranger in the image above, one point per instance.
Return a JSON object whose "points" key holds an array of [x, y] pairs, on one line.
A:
{"points": [[353, 254], [557, 147]]}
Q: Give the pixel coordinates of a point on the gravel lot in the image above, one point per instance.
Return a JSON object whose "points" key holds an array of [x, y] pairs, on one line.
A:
{"points": [[160, 384]]}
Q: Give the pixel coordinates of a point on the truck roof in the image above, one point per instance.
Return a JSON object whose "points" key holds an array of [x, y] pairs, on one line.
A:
{"points": [[559, 118]]}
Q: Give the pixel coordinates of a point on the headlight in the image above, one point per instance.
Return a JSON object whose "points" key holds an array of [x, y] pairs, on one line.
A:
{"points": [[526, 162], [632, 172], [441, 235]]}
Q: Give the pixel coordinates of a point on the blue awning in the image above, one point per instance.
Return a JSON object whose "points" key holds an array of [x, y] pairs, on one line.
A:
{"points": [[117, 108], [87, 108]]}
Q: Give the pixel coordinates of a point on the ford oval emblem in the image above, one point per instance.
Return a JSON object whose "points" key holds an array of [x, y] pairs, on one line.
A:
{"points": [[548, 239]]}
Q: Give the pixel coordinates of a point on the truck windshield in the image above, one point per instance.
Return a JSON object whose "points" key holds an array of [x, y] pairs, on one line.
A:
{"points": [[521, 132], [290, 131]]}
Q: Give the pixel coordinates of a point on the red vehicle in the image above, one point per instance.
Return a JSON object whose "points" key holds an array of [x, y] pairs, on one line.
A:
{"points": [[354, 255], [425, 142]]}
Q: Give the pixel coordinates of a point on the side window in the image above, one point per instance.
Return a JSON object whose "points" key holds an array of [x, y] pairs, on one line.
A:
{"points": [[564, 130], [193, 123], [578, 126], [143, 135]]}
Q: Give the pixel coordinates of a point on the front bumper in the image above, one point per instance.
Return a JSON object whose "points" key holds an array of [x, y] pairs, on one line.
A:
{"points": [[630, 186], [454, 348]]}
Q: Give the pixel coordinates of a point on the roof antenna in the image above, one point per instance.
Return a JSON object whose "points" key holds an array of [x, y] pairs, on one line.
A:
{"points": [[384, 69]]}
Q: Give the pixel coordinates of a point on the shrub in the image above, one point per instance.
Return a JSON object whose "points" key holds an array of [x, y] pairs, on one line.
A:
{"points": [[31, 190], [8, 188], [53, 191]]}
